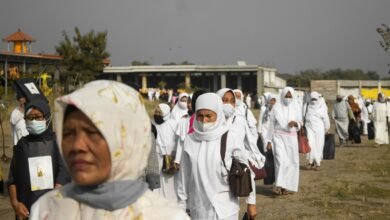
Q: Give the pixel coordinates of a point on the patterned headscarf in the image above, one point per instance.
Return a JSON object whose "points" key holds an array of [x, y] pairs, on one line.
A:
{"points": [[119, 114]]}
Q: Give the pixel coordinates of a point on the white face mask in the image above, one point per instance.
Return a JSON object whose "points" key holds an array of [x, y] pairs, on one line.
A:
{"points": [[207, 126], [228, 110], [238, 102], [313, 102], [288, 100], [36, 127], [183, 105]]}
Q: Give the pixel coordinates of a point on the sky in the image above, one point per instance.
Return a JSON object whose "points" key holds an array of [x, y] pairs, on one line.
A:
{"points": [[290, 35]]}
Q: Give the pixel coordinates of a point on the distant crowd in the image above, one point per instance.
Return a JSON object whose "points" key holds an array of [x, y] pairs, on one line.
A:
{"points": [[105, 158]]}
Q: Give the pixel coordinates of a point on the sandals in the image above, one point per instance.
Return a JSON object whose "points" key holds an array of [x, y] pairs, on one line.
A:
{"points": [[278, 191], [309, 166]]}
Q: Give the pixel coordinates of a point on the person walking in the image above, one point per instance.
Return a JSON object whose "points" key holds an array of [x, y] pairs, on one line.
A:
{"points": [[317, 124], [285, 121], [340, 117]]}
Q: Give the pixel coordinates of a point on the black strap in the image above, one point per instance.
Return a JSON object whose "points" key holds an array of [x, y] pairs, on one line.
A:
{"points": [[304, 117], [223, 148]]}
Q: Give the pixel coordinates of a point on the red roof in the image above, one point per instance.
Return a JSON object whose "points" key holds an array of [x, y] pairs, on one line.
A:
{"points": [[18, 36]]}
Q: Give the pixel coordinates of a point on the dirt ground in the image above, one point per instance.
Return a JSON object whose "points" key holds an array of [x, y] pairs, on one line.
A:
{"points": [[356, 185]]}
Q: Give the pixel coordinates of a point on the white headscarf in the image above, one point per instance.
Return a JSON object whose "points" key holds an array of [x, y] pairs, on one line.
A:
{"points": [[213, 102], [314, 108], [165, 110], [179, 110], [166, 139], [228, 109], [239, 101], [285, 112]]}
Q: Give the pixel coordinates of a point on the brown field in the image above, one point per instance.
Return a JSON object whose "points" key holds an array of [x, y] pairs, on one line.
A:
{"points": [[356, 185]]}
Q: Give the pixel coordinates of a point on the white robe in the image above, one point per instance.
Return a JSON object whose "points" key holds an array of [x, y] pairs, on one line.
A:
{"points": [[285, 144], [317, 123], [380, 112], [205, 187], [248, 144], [18, 125], [166, 145], [243, 111]]}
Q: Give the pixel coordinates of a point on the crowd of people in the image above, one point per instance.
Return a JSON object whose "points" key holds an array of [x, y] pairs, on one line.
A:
{"points": [[104, 158]]}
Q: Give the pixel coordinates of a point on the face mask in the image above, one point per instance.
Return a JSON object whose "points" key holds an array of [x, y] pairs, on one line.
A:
{"points": [[205, 127], [288, 100], [36, 127], [313, 102], [183, 105], [238, 102], [228, 110], [158, 119]]}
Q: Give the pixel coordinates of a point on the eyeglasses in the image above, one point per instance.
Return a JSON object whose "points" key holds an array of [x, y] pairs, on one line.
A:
{"points": [[35, 117]]}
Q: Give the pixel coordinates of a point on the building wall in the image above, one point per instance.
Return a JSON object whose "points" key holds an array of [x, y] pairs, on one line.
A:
{"points": [[367, 88]]}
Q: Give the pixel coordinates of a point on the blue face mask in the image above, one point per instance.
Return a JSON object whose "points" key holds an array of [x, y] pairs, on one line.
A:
{"points": [[36, 127]]}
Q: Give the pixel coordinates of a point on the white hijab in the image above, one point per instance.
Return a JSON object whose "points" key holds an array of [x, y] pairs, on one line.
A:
{"points": [[213, 102], [178, 110], [165, 140], [221, 93], [285, 112], [165, 110]]}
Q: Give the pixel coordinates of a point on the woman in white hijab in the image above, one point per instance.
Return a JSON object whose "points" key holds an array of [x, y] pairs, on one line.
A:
{"points": [[246, 139], [264, 118], [204, 187], [166, 147], [317, 123], [285, 121], [104, 133], [180, 109], [243, 111]]}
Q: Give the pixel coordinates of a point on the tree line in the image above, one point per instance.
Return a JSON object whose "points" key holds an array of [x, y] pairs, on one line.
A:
{"points": [[303, 78]]}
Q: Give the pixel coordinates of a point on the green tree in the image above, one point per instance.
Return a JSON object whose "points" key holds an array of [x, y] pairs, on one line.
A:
{"points": [[140, 63], [83, 55], [384, 31]]}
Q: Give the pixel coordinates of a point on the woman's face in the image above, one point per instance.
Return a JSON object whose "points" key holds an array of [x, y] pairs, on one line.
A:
{"points": [[206, 116], [85, 150], [228, 98]]}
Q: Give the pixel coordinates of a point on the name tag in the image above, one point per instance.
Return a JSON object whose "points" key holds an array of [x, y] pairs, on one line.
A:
{"points": [[41, 173]]}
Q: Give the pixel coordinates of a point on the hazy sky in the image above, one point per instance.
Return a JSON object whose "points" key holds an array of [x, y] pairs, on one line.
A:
{"points": [[291, 35]]}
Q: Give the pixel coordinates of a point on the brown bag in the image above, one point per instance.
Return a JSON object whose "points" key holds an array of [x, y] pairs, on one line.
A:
{"points": [[303, 142], [239, 176], [259, 173]]}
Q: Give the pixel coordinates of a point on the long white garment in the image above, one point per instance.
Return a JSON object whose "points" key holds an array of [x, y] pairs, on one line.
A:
{"points": [[247, 140], [180, 109], [379, 114], [204, 186], [166, 145], [244, 111], [365, 119], [285, 142], [18, 125], [317, 123]]}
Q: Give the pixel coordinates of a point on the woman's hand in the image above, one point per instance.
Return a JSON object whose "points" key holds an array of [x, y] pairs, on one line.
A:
{"points": [[269, 146], [20, 210], [292, 124]]}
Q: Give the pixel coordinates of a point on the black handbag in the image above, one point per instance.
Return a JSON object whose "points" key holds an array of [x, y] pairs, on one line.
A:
{"points": [[270, 168], [239, 176], [329, 147]]}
